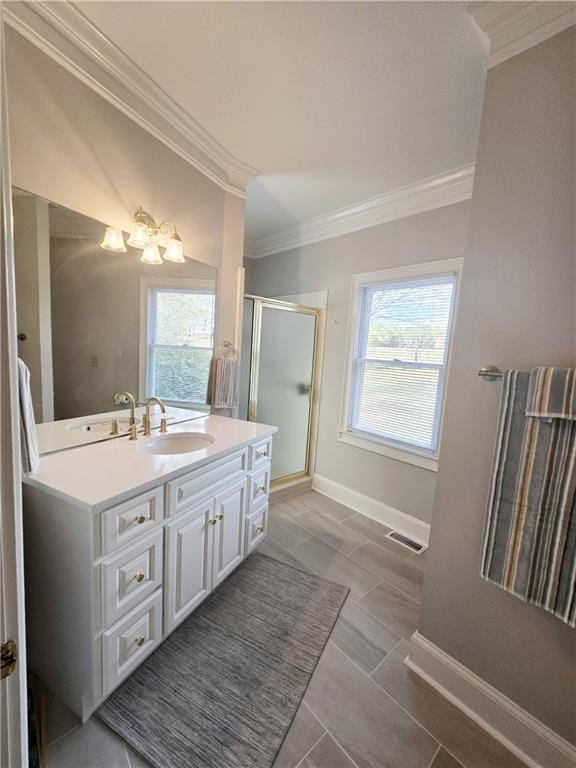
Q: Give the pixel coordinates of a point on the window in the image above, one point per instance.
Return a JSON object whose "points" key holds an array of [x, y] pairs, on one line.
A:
{"points": [[179, 325], [403, 324]]}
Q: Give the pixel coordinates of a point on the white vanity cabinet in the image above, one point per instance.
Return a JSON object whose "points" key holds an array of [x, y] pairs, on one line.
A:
{"points": [[105, 586]]}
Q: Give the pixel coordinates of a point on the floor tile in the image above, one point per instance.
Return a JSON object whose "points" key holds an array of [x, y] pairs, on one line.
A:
{"points": [[327, 562], [400, 573], [291, 507], [326, 528], [93, 745], [134, 759], [327, 754], [465, 740], [370, 529], [364, 639], [393, 608], [284, 531], [305, 732], [444, 760], [272, 549], [419, 559], [376, 532], [323, 504], [373, 730]]}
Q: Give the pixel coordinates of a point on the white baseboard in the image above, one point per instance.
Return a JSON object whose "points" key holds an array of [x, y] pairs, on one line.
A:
{"points": [[376, 510], [520, 732]]}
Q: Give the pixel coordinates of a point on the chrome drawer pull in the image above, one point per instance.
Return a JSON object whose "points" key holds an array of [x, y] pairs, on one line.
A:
{"points": [[261, 488], [260, 529], [138, 576], [140, 640], [140, 519], [213, 521], [261, 453], [221, 516]]}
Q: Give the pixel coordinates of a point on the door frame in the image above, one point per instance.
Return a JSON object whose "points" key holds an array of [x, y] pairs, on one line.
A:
{"points": [[260, 303], [13, 689]]}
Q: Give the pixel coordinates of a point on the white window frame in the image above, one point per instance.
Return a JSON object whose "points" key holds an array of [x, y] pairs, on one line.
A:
{"points": [[174, 283], [376, 444]]}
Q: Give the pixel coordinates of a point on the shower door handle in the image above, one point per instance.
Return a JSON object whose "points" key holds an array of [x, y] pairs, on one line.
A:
{"points": [[303, 389]]}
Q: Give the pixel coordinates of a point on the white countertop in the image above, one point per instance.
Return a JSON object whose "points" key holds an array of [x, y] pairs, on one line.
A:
{"points": [[99, 475]]}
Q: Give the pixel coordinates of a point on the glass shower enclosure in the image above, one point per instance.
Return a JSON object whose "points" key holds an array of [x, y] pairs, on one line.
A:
{"points": [[277, 378]]}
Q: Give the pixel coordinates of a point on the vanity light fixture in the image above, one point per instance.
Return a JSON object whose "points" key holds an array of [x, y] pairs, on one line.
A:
{"points": [[151, 254], [113, 240], [148, 236], [175, 250]]}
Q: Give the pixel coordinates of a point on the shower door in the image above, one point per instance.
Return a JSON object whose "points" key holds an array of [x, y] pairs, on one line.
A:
{"points": [[283, 353]]}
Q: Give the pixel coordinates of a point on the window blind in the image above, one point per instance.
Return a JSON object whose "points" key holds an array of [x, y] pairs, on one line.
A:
{"points": [[180, 344], [399, 363]]}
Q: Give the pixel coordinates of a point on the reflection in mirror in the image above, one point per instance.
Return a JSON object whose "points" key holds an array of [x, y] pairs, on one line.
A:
{"points": [[93, 322]]}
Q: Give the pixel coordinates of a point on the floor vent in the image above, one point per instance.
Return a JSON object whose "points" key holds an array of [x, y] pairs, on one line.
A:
{"points": [[405, 541]]}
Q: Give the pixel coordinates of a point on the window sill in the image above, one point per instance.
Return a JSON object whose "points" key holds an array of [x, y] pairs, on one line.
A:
{"points": [[416, 459]]}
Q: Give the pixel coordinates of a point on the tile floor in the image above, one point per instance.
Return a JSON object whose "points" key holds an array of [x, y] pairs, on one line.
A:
{"points": [[363, 708]]}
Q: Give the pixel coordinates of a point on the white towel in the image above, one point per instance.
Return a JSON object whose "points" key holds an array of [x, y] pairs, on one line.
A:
{"points": [[28, 439], [222, 382]]}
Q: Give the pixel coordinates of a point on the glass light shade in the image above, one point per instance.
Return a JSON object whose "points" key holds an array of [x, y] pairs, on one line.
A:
{"points": [[139, 236], [113, 240], [151, 254], [174, 250]]}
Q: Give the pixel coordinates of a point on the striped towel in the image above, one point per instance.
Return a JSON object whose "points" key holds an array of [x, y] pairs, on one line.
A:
{"points": [[222, 382], [552, 393], [530, 536]]}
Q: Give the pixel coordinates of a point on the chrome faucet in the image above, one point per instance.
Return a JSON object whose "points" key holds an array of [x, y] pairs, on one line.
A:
{"points": [[121, 398], [146, 420]]}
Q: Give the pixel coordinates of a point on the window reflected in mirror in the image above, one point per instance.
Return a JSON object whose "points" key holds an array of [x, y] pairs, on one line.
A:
{"points": [[92, 322]]}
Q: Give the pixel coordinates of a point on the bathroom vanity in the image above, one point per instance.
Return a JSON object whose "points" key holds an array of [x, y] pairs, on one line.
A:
{"points": [[124, 539]]}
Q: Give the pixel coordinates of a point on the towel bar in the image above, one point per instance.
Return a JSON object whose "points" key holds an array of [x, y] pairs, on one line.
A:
{"points": [[490, 372]]}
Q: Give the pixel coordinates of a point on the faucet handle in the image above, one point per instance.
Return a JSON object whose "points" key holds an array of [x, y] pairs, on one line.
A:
{"points": [[133, 433]]}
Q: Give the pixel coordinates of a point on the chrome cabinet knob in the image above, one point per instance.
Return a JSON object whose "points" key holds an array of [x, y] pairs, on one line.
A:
{"points": [[261, 488], [140, 640], [261, 453], [221, 516], [260, 529], [140, 519], [213, 521], [139, 576]]}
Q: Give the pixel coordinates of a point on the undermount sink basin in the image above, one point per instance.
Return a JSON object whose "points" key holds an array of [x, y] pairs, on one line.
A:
{"points": [[178, 442]]}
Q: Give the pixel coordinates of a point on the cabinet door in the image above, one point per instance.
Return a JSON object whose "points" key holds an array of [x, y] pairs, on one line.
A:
{"points": [[188, 563], [229, 530]]}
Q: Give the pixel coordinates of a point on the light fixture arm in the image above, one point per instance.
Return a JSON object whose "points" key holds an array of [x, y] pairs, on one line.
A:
{"points": [[143, 217], [168, 228]]}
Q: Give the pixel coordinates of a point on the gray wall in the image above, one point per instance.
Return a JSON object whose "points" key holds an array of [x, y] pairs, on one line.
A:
{"points": [[517, 310], [438, 234]]}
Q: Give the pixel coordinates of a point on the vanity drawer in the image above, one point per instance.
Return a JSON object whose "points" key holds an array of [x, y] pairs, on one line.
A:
{"points": [[128, 521], [260, 453], [258, 486], [127, 643], [256, 527], [129, 577], [197, 485]]}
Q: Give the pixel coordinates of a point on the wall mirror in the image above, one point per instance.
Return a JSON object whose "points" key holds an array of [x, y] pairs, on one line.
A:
{"points": [[93, 322]]}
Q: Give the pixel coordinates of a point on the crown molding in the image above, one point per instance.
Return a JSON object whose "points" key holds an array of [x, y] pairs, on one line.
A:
{"points": [[434, 192], [61, 31], [509, 28]]}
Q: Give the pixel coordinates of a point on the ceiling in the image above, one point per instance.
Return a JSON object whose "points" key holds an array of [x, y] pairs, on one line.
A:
{"points": [[333, 102]]}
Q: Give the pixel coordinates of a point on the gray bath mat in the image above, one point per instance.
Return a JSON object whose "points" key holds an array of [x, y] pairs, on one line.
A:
{"points": [[223, 689]]}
